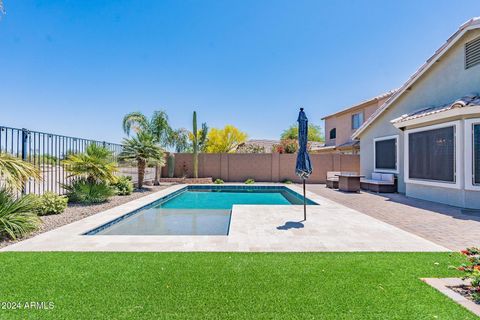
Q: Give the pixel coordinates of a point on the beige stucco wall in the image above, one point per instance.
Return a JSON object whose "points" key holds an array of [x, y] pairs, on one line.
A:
{"points": [[343, 122], [444, 82], [269, 167]]}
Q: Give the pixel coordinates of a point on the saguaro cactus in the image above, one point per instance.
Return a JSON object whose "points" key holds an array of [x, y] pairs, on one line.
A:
{"points": [[195, 145], [171, 165]]}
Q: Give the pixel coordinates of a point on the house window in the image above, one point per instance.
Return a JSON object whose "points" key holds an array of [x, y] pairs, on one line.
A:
{"points": [[333, 134], [386, 154], [357, 120], [476, 154], [431, 154]]}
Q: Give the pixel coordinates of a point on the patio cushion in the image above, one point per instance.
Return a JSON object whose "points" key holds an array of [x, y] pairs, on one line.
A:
{"points": [[388, 177], [376, 176], [332, 174], [378, 182]]}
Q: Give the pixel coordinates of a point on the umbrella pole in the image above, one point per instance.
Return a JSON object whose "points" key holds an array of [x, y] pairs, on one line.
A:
{"points": [[304, 202]]}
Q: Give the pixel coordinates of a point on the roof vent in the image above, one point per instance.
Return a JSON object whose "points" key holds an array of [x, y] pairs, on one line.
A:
{"points": [[472, 53]]}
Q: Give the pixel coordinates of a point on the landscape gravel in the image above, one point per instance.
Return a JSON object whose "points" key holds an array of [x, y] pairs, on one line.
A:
{"points": [[75, 212]]}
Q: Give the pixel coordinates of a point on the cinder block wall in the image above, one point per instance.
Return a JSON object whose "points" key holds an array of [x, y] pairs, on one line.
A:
{"points": [[263, 167]]}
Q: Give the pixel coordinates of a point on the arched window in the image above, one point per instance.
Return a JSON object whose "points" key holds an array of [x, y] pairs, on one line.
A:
{"points": [[333, 133]]}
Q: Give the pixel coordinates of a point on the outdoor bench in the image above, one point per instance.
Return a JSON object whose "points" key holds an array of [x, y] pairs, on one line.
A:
{"points": [[380, 183], [332, 179]]}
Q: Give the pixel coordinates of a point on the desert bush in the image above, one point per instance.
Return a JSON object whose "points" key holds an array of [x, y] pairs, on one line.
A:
{"points": [[249, 181], [124, 186], [87, 192], [286, 181], [17, 215], [471, 270], [51, 203], [219, 181]]}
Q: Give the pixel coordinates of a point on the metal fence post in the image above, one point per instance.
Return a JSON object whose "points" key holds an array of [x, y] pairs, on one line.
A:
{"points": [[25, 133]]}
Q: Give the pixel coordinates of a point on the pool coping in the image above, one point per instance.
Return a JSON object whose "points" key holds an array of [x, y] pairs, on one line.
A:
{"points": [[261, 236], [189, 187]]}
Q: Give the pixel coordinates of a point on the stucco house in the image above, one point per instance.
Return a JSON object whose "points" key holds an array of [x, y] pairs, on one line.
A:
{"points": [[428, 132], [340, 126]]}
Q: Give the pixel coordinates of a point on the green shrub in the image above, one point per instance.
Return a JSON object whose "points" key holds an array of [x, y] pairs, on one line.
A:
{"points": [[124, 186], [88, 192], [286, 181], [17, 215], [249, 181], [51, 203], [219, 181]]}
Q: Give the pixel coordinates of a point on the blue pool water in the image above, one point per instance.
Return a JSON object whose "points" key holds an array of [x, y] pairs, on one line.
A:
{"points": [[196, 210], [223, 200]]}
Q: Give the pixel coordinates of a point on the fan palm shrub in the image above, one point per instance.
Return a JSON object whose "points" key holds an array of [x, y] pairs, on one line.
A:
{"points": [[142, 149], [18, 216], [14, 172], [157, 127], [96, 164], [89, 192]]}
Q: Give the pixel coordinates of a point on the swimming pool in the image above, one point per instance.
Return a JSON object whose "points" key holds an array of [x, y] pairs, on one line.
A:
{"points": [[196, 210]]}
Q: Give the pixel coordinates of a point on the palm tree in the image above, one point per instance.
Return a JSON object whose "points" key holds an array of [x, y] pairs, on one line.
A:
{"points": [[142, 149], [179, 140], [157, 126], [95, 164], [14, 172]]}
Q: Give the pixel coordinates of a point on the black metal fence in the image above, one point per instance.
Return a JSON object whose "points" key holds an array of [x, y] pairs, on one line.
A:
{"points": [[46, 152]]}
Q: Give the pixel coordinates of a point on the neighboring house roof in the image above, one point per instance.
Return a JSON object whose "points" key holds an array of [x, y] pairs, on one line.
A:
{"points": [[314, 145], [379, 97], [471, 24], [349, 144], [472, 100], [267, 144]]}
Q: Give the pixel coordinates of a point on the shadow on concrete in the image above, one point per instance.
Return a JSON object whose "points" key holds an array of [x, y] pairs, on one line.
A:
{"points": [[291, 225]]}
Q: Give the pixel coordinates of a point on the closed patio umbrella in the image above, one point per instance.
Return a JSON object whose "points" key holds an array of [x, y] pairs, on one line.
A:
{"points": [[303, 168]]}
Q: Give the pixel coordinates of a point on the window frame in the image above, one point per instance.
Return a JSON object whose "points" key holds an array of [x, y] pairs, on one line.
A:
{"points": [[457, 156], [397, 144], [363, 119], [330, 134], [469, 163]]}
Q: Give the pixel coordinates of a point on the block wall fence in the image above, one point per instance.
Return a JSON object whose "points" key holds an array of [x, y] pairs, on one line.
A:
{"points": [[266, 167]]}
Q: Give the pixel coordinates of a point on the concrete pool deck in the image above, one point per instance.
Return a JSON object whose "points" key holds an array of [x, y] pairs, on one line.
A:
{"points": [[330, 226]]}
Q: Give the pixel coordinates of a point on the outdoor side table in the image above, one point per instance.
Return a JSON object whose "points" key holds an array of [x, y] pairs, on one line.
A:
{"points": [[349, 182]]}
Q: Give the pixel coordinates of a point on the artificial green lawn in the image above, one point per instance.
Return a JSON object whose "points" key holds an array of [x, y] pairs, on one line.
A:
{"points": [[228, 285]]}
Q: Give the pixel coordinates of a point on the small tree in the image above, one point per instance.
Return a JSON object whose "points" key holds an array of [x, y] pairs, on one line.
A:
{"points": [[157, 126], [142, 149], [225, 140], [314, 133]]}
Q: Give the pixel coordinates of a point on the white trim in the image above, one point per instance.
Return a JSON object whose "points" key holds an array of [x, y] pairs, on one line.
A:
{"points": [[442, 115], [469, 25], [397, 165], [469, 154], [458, 156]]}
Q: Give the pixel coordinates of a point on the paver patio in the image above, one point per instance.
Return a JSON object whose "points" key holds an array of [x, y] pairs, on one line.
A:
{"points": [[442, 224]]}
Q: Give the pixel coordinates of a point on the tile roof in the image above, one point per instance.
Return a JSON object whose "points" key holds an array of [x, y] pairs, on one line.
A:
{"points": [[471, 24], [467, 101]]}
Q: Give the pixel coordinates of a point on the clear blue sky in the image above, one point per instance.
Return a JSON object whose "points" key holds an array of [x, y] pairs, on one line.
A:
{"points": [[76, 67]]}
